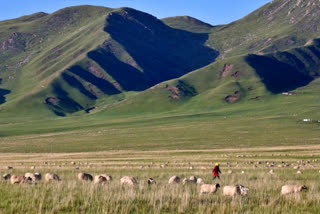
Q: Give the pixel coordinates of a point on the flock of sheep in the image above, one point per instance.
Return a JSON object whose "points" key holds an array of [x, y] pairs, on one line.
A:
{"points": [[131, 181]]}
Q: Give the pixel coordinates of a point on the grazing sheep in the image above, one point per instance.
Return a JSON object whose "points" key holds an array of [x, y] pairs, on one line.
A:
{"points": [[38, 176], [242, 172], [18, 179], [200, 181], [99, 179], [33, 176], [151, 181], [52, 177], [9, 167], [299, 172], [108, 177], [193, 179], [289, 189], [271, 171], [128, 180], [235, 190], [209, 188], [6, 177], [185, 181], [230, 171], [32, 167], [85, 177], [102, 179], [174, 180], [30, 175]]}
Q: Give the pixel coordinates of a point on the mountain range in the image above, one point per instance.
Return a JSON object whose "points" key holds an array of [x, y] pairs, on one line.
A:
{"points": [[96, 60]]}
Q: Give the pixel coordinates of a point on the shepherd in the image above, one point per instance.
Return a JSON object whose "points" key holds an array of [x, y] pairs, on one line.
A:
{"points": [[216, 171]]}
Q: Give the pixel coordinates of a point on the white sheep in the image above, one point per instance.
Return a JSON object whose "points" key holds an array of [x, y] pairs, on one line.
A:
{"points": [[151, 181], [6, 176], [209, 188], [52, 177], [33, 176], [18, 179], [289, 189], [186, 181], [128, 180], [235, 190], [85, 177], [108, 177], [200, 181], [174, 180], [98, 179], [193, 179]]}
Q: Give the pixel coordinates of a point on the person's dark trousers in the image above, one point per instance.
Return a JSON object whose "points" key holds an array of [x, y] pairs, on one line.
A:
{"points": [[214, 177]]}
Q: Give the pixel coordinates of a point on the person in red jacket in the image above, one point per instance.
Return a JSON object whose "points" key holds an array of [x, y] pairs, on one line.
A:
{"points": [[216, 171]]}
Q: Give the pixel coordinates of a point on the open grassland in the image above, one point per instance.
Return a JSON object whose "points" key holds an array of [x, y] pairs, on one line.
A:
{"points": [[72, 196], [203, 131]]}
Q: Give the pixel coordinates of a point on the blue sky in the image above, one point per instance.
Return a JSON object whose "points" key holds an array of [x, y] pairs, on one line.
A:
{"points": [[211, 11]]}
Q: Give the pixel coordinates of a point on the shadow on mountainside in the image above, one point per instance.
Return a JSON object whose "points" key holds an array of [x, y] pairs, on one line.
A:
{"points": [[127, 76], [161, 52], [279, 76], [75, 83], [63, 102], [105, 86], [3, 92]]}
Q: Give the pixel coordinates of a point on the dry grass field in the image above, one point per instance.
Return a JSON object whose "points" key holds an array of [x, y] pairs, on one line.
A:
{"points": [[72, 196]]}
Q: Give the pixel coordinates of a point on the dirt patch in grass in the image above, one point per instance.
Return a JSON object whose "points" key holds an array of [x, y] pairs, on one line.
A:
{"points": [[233, 98], [227, 70], [236, 74], [174, 92], [52, 101]]}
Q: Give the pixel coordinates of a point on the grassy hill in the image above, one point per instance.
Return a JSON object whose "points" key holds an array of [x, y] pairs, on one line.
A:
{"points": [[159, 84], [95, 59], [188, 23], [277, 26]]}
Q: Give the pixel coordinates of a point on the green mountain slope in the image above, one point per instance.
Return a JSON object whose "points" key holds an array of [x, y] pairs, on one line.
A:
{"points": [[235, 83], [99, 60], [95, 59], [36, 48], [188, 23], [277, 26]]}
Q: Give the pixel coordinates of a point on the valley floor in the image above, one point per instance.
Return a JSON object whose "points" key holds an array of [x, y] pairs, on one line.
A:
{"points": [[72, 196]]}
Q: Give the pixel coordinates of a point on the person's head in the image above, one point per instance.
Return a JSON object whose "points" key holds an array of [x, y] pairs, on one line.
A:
{"points": [[217, 164]]}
